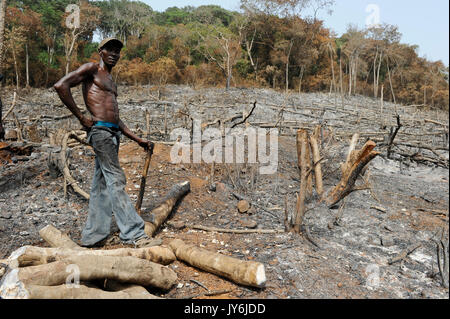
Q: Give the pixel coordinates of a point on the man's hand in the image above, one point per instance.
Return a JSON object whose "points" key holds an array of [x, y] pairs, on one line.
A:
{"points": [[86, 122], [147, 145]]}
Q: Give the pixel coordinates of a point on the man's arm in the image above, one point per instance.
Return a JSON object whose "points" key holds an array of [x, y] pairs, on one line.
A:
{"points": [[127, 132], [71, 80]]}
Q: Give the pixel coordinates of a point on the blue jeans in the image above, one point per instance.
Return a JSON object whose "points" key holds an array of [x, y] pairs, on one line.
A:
{"points": [[108, 194]]}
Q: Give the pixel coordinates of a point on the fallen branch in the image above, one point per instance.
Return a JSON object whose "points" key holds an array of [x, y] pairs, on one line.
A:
{"points": [[246, 118], [11, 108], [237, 231], [209, 294], [65, 169], [247, 273], [402, 255]]}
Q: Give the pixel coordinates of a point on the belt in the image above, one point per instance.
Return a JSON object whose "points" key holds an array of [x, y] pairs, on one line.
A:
{"points": [[107, 124]]}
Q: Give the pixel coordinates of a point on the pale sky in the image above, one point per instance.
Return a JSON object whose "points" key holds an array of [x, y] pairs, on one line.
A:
{"points": [[425, 23]]}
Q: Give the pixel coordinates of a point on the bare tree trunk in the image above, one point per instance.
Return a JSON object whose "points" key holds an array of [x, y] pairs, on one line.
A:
{"points": [[333, 82], [350, 77], [301, 79], [378, 71], [340, 80], [375, 89], [390, 83], [16, 68], [2, 30], [287, 66], [70, 51], [27, 65], [355, 75]]}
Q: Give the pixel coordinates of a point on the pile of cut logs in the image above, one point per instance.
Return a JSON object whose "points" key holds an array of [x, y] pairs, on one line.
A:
{"points": [[68, 271]]}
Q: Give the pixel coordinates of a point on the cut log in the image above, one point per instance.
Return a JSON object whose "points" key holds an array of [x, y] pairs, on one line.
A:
{"points": [[248, 273], [123, 269], [162, 212], [114, 286], [55, 238], [33, 256], [73, 292], [351, 169]]}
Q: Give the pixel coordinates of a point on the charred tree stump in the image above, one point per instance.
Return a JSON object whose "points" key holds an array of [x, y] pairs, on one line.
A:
{"points": [[357, 160], [302, 145], [314, 141]]}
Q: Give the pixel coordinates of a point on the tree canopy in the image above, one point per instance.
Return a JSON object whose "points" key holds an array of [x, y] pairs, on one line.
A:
{"points": [[268, 43]]}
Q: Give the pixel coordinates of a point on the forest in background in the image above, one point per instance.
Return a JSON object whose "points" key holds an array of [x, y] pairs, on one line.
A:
{"points": [[269, 43]]}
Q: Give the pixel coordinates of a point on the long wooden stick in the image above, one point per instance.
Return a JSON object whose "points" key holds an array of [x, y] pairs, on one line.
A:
{"points": [[146, 167], [237, 231], [144, 179]]}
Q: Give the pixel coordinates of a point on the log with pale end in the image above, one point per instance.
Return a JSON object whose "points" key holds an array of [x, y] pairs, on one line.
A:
{"points": [[123, 269], [32, 256], [55, 238], [248, 273], [162, 212]]}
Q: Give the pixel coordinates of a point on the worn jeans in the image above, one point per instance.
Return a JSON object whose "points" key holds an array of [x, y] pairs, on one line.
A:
{"points": [[108, 194]]}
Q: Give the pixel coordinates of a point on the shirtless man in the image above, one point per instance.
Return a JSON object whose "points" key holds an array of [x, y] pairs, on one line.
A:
{"points": [[104, 130]]}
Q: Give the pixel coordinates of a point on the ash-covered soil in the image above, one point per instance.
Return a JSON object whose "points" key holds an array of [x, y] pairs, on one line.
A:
{"points": [[406, 203]]}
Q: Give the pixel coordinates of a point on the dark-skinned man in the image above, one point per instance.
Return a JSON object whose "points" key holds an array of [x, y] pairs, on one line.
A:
{"points": [[108, 194]]}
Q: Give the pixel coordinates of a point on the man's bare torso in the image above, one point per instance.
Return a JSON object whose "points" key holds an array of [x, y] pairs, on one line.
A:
{"points": [[100, 96]]}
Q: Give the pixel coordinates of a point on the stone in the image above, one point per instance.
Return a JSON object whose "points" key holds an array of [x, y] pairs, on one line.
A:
{"points": [[387, 241], [177, 224], [10, 135], [5, 215], [220, 187], [243, 206], [212, 187], [251, 224]]}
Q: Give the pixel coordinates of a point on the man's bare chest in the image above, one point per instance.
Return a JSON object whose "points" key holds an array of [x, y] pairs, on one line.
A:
{"points": [[104, 82]]}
